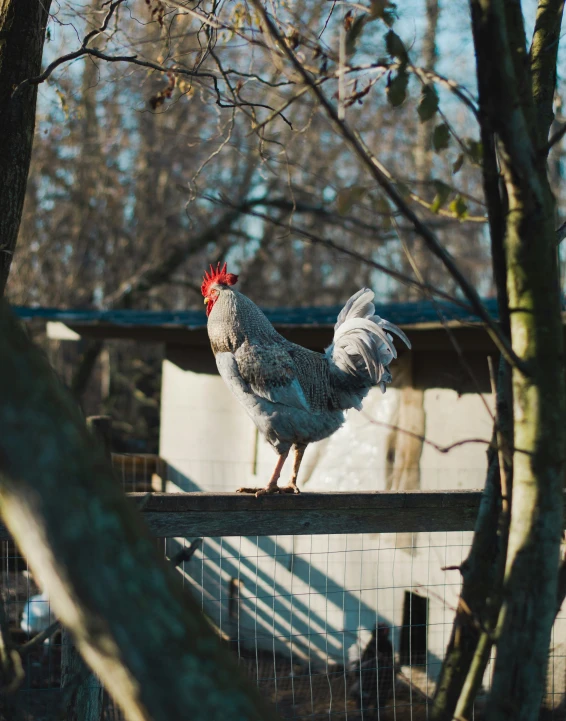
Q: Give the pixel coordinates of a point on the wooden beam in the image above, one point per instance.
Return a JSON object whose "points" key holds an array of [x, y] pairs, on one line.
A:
{"points": [[230, 514]]}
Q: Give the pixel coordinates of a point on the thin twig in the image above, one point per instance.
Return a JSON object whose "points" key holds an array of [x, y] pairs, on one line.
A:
{"points": [[133, 59], [93, 33], [428, 442], [280, 109], [25, 648], [298, 206]]}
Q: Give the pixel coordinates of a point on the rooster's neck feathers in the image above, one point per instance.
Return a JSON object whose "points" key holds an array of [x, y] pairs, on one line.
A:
{"points": [[236, 319]]}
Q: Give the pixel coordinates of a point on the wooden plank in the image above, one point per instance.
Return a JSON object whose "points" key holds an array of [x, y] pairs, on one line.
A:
{"points": [[365, 500], [231, 514], [296, 523], [226, 514]]}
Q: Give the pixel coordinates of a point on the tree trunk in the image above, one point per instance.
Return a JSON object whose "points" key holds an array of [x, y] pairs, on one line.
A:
{"points": [[423, 150], [127, 611], [22, 33], [530, 581], [530, 584]]}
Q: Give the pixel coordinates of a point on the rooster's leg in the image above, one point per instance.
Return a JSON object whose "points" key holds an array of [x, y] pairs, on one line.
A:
{"points": [[272, 486], [299, 453]]}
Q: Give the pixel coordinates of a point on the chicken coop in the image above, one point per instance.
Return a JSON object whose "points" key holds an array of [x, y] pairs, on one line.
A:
{"points": [[306, 587]]}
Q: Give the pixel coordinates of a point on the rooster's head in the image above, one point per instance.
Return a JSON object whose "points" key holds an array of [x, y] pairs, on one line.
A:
{"points": [[214, 282]]}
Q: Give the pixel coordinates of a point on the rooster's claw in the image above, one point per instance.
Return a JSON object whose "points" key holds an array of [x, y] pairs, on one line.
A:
{"points": [[268, 490], [289, 489]]}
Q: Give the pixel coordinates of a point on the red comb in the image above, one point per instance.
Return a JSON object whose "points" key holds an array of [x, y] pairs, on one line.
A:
{"points": [[217, 276]]}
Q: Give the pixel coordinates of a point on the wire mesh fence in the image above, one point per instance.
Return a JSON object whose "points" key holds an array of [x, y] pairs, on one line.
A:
{"points": [[327, 626], [331, 627], [344, 627]]}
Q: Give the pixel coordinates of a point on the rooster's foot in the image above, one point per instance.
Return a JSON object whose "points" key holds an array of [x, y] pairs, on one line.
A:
{"points": [[289, 489], [268, 490]]}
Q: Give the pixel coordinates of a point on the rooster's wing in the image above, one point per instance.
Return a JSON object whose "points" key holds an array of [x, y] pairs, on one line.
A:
{"points": [[267, 371]]}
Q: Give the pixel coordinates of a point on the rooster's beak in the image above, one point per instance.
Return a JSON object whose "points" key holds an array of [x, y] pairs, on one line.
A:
{"points": [[206, 300]]}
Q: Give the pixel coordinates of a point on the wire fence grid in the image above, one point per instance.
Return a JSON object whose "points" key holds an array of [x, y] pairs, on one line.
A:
{"points": [[347, 627]]}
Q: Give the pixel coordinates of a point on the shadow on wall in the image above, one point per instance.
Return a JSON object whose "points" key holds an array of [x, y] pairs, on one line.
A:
{"points": [[290, 595]]}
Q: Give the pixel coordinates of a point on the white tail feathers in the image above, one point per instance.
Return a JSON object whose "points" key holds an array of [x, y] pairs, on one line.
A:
{"points": [[360, 305], [362, 344]]}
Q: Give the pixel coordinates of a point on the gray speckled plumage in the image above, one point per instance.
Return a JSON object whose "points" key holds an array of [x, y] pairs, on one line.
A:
{"points": [[295, 395]]}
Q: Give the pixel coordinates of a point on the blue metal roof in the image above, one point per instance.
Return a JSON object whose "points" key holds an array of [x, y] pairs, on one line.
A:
{"points": [[403, 314]]}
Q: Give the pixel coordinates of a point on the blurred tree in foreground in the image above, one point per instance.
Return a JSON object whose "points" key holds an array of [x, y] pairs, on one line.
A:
{"points": [[130, 617]]}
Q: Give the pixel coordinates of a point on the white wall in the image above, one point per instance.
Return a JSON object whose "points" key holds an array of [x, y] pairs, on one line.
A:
{"points": [[451, 418], [205, 435]]}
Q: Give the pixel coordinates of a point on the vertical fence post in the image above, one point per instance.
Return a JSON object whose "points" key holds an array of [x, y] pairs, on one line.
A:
{"points": [[82, 691]]}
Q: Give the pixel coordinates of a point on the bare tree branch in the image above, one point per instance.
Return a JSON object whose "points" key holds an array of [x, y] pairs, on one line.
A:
{"points": [[455, 344], [320, 211], [437, 447], [132, 59], [39, 638], [384, 180], [156, 274], [93, 33], [246, 208]]}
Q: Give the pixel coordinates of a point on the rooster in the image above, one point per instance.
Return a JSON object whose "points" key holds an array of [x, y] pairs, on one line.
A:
{"points": [[295, 396]]}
